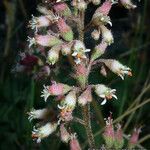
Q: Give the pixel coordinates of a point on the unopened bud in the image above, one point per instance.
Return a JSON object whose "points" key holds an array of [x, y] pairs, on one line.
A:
{"points": [[95, 34], [106, 35], [85, 97], [74, 143], [62, 9], [65, 136], [65, 30], [66, 48], [96, 2], [81, 5]]}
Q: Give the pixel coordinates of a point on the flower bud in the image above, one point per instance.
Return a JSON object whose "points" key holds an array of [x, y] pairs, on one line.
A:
{"points": [[53, 55], [85, 97], [74, 144], [104, 92], [119, 141], [81, 5], [37, 114], [62, 9], [95, 34], [65, 30], [44, 40], [103, 71], [81, 73], [65, 136], [69, 101], [66, 48], [43, 131], [99, 50], [109, 133], [44, 10], [128, 4], [134, 138], [55, 89], [106, 35], [96, 2], [116, 67]]}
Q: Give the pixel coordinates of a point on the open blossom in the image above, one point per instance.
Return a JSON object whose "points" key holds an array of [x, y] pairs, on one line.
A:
{"points": [[43, 131], [37, 114], [105, 92], [44, 40], [55, 89], [127, 4], [42, 21], [109, 133], [65, 136], [85, 97], [116, 67], [79, 51], [106, 35], [74, 143], [134, 137], [101, 14]]}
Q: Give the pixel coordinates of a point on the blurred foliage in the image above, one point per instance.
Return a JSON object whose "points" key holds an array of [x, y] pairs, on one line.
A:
{"points": [[19, 93]]}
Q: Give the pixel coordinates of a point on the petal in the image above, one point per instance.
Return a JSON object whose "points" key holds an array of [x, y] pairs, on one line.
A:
{"points": [[103, 102]]}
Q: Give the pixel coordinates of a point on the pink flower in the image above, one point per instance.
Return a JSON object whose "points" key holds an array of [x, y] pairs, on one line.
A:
{"points": [[62, 9], [74, 143], [85, 97], [134, 137], [65, 136]]}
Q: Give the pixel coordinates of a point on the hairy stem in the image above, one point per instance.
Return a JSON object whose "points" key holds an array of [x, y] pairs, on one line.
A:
{"points": [[86, 109]]}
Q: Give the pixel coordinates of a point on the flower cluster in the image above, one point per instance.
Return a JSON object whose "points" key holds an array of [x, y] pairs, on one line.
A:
{"points": [[59, 32]]}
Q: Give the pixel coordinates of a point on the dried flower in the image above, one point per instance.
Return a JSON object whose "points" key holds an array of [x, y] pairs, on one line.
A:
{"points": [[65, 136], [128, 4], [55, 89], [116, 67], [105, 92], [43, 131], [65, 30], [85, 97], [37, 114]]}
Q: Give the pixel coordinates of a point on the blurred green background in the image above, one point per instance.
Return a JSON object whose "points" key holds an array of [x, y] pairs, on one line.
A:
{"points": [[19, 93]]}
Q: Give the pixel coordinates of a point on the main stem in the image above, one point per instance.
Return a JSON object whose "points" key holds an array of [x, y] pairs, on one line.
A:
{"points": [[86, 108]]}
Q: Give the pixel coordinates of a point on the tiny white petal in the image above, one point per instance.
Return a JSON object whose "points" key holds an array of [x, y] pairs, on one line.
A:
{"points": [[103, 102]]}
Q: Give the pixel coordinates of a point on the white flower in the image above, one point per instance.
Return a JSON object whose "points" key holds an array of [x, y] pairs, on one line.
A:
{"points": [[37, 114], [43, 131], [79, 51], [105, 92], [45, 93], [69, 102], [116, 67]]}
